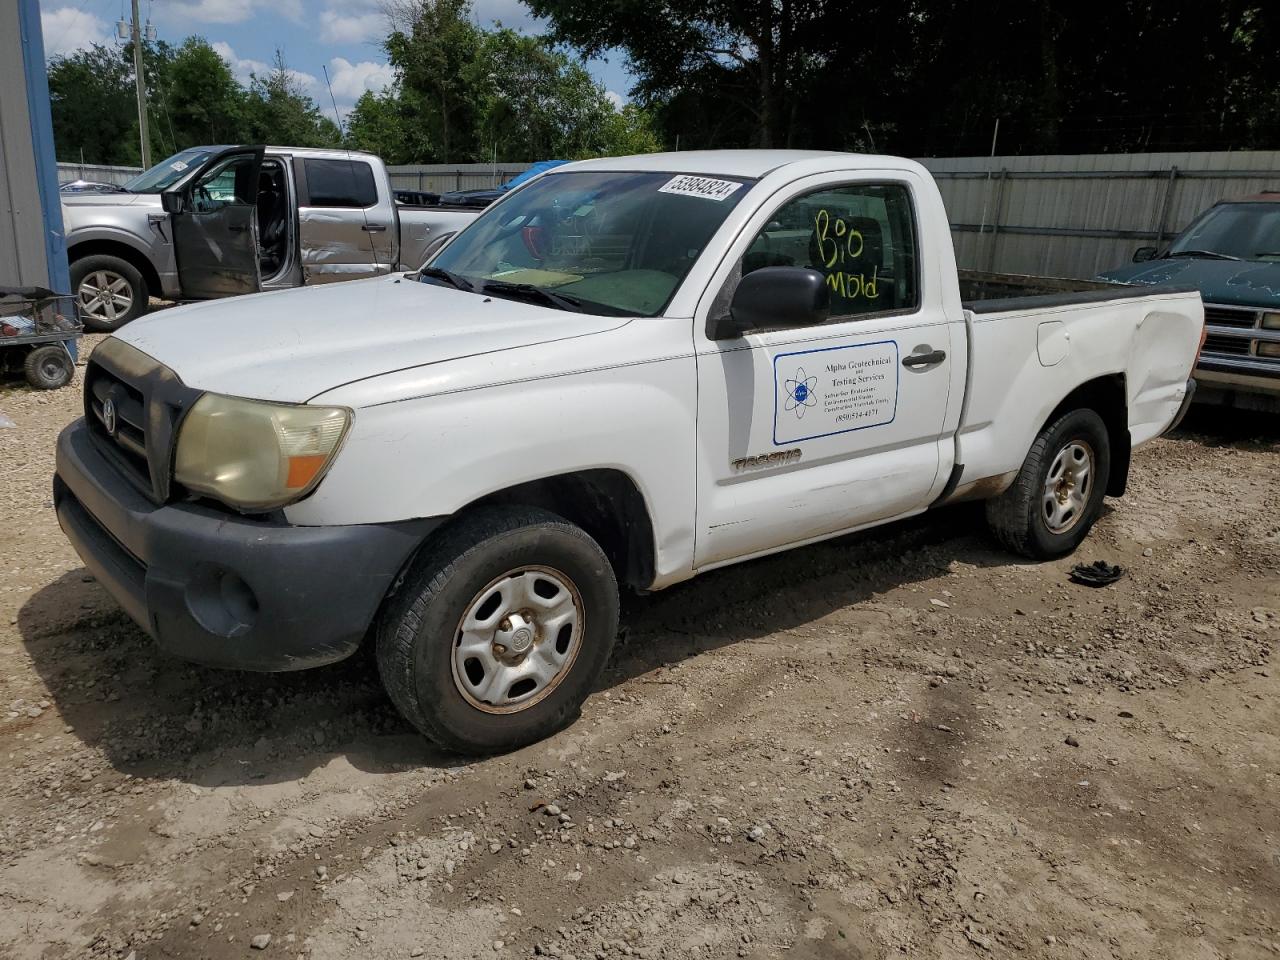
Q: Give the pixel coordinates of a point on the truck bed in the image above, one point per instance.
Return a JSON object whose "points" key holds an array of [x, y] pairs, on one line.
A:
{"points": [[984, 292]]}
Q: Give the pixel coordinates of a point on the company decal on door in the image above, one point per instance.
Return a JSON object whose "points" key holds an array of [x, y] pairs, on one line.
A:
{"points": [[821, 393]]}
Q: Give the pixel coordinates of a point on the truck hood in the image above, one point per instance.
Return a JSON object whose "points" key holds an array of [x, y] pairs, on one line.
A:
{"points": [[111, 200], [293, 345], [1243, 283]]}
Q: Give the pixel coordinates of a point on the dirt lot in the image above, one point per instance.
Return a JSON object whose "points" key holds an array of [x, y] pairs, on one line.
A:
{"points": [[904, 743]]}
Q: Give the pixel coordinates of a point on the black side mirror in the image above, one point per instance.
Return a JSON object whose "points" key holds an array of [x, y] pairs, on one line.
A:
{"points": [[171, 200], [1143, 254], [773, 297]]}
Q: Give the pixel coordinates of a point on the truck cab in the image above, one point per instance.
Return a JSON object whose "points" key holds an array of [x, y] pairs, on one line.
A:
{"points": [[226, 220]]}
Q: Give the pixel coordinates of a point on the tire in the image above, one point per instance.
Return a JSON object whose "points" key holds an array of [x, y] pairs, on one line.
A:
{"points": [[48, 367], [109, 292], [1041, 520], [507, 553]]}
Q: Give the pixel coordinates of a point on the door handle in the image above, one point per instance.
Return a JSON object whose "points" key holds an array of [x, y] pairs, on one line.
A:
{"points": [[924, 359], [374, 228], [232, 228]]}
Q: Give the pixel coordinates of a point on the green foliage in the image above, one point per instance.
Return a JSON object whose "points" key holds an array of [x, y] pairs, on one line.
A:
{"points": [[278, 110], [376, 125], [94, 111], [193, 99], [931, 77], [468, 94]]}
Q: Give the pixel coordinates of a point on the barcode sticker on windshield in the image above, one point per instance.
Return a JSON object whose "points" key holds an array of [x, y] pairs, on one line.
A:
{"points": [[704, 187]]}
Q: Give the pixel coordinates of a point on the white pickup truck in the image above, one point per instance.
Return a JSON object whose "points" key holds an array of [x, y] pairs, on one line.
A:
{"points": [[630, 370]]}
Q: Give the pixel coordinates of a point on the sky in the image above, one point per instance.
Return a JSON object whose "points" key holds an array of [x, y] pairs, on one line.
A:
{"points": [[340, 35]]}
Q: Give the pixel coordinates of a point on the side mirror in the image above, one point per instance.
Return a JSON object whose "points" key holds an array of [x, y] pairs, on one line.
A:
{"points": [[773, 297], [1143, 254], [171, 200]]}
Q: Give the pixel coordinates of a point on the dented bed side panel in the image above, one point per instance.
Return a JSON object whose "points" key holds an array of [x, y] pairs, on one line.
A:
{"points": [[1026, 362]]}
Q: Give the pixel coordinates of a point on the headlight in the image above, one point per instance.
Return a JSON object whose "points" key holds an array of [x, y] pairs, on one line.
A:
{"points": [[1271, 321], [256, 455]]}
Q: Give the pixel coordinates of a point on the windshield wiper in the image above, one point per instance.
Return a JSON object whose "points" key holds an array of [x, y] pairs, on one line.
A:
{"points": [[561, 301], [1211, 254], [448, 276]]}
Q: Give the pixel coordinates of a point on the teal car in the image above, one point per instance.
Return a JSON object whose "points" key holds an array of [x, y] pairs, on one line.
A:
{"points": [[1231, 252]]}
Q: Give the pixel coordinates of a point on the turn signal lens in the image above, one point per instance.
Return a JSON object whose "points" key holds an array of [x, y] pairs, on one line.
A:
{"points": [[255, 455]]}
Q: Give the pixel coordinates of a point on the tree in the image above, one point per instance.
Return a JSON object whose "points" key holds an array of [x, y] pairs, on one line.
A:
{"points": [[376, 125], [279, 110], [94, 112], [199, 100], [434, 48]]}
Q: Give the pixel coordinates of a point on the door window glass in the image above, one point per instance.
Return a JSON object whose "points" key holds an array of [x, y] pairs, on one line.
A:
{"points": [[860, 237], [340, 183], [234, 180]]}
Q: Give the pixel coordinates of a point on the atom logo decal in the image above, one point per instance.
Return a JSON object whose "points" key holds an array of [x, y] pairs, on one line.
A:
{"points": [[800, 393]]}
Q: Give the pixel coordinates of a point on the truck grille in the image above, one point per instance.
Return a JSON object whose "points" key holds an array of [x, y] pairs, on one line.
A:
{"points": [[124, 433], [133, 406], [1238, 317], [1235, 346], [1230, 330]]}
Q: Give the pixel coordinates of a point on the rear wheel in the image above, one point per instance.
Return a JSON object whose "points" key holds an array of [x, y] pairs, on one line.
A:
{"points": [[500, 630], [109, 292], [1057, 495], [48, 367]]}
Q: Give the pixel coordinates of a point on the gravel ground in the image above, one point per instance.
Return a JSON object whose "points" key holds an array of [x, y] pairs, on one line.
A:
{"points": [[902, 743]]}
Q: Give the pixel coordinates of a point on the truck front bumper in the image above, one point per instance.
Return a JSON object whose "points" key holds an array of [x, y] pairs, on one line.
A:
{"points": [[220, 589]]}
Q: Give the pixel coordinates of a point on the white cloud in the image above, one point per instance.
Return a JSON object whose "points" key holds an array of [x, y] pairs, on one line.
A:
{"points": [[67, 30], [244, 68], [617, 99], [350, 80], [227, 11], [336, 27]]}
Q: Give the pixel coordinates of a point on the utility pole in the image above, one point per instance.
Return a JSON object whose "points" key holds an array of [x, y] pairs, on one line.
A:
{"points": [[136, 34]]}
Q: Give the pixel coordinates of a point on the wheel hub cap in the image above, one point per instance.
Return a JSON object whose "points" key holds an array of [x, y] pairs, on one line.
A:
{"points": [[518, 639], [1068, 487]]}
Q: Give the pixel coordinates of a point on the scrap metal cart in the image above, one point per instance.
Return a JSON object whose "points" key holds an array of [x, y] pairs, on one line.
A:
{"points": [[37, 330]]}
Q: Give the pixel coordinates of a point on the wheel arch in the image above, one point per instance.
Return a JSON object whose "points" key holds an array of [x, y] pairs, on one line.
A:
{"points": [[1106, 396], [605, 502], [117, 248]]}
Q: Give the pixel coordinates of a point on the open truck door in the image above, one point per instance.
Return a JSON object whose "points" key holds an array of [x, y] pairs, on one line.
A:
{"points": [[215, 225]]}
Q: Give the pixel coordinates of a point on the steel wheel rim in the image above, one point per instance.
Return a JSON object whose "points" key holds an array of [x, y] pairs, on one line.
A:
{"points": [[105, 295], [1068, 487], [517, 639], [51, 368]]}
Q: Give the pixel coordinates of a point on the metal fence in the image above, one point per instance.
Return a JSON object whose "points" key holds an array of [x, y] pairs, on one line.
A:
{"points": [[442, 177], [1075, 216], [1062, 216], [96, 172]]}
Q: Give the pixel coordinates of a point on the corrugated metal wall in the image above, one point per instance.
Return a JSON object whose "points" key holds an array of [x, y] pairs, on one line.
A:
{"points": [[1075, 216], [1063, 216], [442, 177], [95, 172]]}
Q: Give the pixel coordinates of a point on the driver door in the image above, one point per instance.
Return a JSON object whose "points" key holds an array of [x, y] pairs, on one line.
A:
{"points": [[215, 231]]}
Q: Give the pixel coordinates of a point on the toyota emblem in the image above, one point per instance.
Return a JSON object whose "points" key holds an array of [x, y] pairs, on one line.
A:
{"points": [[109, 416]]}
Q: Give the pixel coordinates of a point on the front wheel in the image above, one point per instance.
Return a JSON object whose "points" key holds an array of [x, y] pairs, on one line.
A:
{"points": [[499, 631], [109, 292], [1057, 495]]}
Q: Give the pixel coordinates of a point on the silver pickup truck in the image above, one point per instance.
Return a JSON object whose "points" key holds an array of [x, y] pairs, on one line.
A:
{"points": [[218, 221]]}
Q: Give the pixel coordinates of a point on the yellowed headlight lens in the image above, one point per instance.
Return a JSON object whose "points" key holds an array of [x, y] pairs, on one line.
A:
{"points": [[256, 455], [1271, 321]]}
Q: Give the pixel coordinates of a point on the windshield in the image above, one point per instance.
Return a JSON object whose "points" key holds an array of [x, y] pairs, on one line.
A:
{"points": [[168, 172], [1245, 231], [616, 243]]}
